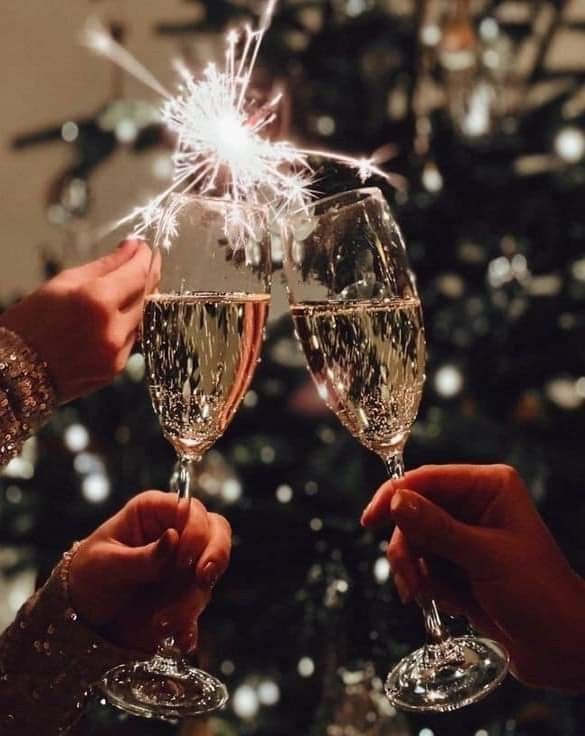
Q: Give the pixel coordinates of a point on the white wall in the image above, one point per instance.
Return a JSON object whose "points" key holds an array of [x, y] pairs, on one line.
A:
{"points": [[47, 77]]}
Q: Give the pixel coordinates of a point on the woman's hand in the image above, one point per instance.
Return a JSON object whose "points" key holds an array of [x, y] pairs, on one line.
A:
{"points": [[149, 570], [488, 555], [83, 322]]}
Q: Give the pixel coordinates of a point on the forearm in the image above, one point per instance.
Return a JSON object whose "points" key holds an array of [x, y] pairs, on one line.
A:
{"points": [[569, 674], [551, 654], [27, 397], [48, 661]]}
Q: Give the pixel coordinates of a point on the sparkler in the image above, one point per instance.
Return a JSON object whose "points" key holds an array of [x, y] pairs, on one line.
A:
{"points": [[220, 147]]}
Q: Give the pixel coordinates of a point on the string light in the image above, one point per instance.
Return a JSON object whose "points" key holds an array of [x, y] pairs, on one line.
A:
{"points": [[311, 488], [19, 467], [565, 393], [267, 454], [231, 490], [268, 692], [227, 667], [250, 399], [306, 667], [284, 494], [570, 144], [381, 570], [136, 367], [448, 381], [95, 488], [13, 494], [76, 438], [245, 702]]}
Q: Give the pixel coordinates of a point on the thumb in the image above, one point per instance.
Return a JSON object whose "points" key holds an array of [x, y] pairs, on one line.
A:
{"points": [[430, 529], [110, 262], [135, 565]]}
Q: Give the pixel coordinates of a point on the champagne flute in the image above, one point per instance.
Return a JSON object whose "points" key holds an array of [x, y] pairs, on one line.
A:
{"points": [[202, 334], [358, 319]]}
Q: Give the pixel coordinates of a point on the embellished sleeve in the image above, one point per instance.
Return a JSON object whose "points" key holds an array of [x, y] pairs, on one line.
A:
{"points": [[27, 396], [49, 660]]}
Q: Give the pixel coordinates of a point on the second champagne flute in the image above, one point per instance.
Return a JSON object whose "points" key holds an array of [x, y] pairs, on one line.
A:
{"points": [[202, 334], [358, 319]]}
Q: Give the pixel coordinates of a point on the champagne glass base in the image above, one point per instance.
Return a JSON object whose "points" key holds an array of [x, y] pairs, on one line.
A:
{"points": [[447, 676], [163, 689]]}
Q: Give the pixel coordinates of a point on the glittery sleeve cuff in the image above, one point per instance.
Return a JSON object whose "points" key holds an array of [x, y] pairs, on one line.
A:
{"points": [[27, 396], [48, 661]]}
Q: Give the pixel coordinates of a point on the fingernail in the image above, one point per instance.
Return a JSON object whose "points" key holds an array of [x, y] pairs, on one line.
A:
{"points": [[400, 503], [401, 587], [366, 513], [209, 575], [193, 644], [165, 545]]}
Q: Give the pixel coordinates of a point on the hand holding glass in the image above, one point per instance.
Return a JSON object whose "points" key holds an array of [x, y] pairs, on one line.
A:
{"points": [[358, 318], [202, 335]]}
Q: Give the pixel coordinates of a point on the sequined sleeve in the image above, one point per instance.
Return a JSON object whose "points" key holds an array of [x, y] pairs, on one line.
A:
{"points": [[26, 394], [48, 661]]}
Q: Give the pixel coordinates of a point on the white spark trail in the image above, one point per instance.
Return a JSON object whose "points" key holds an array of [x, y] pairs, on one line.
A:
{"points": [[99, 40], [220, 150]]}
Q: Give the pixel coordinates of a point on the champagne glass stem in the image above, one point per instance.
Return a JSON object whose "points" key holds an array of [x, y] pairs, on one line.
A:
{"points": [[435, 630], [182, 480], [182, 485]]}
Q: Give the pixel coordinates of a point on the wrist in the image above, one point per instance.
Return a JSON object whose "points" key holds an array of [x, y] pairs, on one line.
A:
{"points": [[571, 630], [26, 377], [555, 659]]}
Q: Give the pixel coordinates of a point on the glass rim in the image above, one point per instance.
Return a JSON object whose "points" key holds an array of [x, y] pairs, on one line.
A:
{"points": [[373, 192]]}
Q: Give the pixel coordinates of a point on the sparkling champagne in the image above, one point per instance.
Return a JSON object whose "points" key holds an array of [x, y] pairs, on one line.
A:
{"points": [[201, 351], [367, 359]]}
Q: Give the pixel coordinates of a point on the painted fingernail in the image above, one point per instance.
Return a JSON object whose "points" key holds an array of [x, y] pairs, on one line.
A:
{"points": [[209, 575], [366, 513], [401, 587], [127, 244], [165, 546]]}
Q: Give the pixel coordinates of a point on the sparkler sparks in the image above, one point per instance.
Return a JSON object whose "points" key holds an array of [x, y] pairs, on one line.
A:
{"points": [[220, 147]]}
